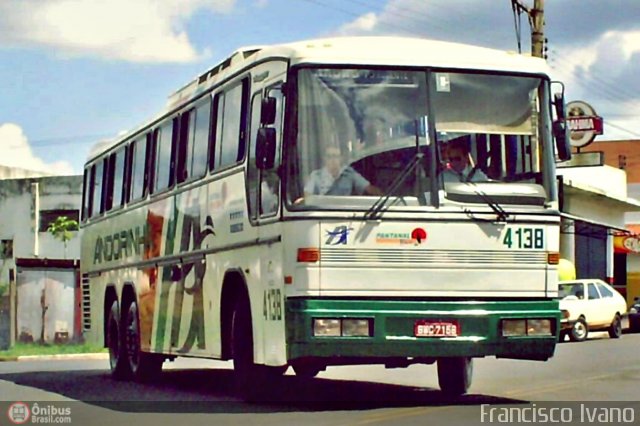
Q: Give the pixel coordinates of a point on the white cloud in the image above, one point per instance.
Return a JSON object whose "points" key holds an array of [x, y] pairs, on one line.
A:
{"points": [[17, 153], [363, 24], [135, 31]]}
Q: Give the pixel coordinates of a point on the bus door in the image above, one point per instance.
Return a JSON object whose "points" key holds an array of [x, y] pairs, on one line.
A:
{"points": [[264, 210]]}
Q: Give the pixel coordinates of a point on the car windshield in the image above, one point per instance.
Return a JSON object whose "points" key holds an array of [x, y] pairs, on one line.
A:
{"points": [[571, 289]]}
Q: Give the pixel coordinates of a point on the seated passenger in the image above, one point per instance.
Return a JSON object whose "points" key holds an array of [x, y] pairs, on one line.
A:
{"points": [[459, 165], [336, 179]]}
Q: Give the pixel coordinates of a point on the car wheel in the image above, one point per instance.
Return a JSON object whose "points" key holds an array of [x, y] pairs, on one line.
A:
{"points": [[579, 331], [615, 329]]}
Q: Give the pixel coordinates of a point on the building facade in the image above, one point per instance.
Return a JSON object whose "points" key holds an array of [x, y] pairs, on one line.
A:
{"points": [[38, 272]]}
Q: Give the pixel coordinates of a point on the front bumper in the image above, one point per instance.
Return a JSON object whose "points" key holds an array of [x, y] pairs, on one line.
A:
{"points": [[393, 329]]}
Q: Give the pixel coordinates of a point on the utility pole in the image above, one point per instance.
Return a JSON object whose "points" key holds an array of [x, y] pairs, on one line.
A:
{"points": [[537, 28], [536, 20]]}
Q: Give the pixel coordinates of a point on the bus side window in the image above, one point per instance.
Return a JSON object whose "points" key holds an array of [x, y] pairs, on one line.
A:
{"points": [[114, 180], [163, 157], [97, 177], [231, 120], [252, 170], [193, 144], [138, 161], [85, 194]]}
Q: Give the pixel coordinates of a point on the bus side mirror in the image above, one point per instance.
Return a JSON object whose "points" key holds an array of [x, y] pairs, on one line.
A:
{"points": [[266, 148], [560, 129], [561, 135], [268, 111]]}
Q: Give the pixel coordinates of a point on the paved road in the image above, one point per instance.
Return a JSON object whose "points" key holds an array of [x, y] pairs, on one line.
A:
{"points": [[199, 391]]}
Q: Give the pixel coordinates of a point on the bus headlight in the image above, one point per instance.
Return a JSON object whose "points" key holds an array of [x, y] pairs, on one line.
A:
{"points": [[342, 327], [514, 327], [326, 327], [538, 327], [355, 328], [526, 327]]}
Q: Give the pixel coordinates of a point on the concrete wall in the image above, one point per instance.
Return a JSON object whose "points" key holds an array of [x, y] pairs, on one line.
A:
{"points": [[19, 199]]}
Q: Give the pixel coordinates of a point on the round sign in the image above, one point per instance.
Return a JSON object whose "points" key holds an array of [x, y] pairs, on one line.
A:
{"points": [[580, 118]]}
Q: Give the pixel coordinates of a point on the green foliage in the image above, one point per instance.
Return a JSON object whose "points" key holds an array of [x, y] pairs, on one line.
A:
{"points": [[62, 229], [4, 288], [22, 349]]}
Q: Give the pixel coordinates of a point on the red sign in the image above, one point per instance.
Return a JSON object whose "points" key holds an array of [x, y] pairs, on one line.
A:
{"points": [[585, 124]]}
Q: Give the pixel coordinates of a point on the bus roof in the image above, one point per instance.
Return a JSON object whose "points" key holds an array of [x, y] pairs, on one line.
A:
{"points": [[376, 51]]}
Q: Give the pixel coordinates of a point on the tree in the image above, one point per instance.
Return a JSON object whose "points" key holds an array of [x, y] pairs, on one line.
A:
{"points": [[62, 229]]}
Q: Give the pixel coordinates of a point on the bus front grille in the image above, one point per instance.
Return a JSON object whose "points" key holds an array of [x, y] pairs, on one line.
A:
{"points": [[430, 258]]}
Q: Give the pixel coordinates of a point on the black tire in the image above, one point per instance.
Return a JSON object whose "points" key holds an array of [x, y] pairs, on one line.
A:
{"points": [[455, 375], [615, 329], [306, 371], [249, 377], [143, 366], [580, 331], [117, 355]]}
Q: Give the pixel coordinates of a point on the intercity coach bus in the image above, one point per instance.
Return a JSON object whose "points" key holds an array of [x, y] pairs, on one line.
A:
{"points": [[290, 208]]}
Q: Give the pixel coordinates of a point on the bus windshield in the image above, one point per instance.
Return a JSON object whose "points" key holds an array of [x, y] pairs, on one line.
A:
{"points": [[361, 133]]}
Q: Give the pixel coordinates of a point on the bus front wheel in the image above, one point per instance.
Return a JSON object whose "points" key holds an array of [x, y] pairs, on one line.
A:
{"points": [[455, 374], [249, 377]]}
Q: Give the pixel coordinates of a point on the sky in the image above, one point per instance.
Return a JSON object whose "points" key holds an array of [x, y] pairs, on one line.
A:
{"points": [[76, 72]]}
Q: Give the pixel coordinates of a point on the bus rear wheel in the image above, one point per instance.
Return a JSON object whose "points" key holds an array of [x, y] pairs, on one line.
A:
{"points": [[455, 374], [117, 355], [143, 366]]}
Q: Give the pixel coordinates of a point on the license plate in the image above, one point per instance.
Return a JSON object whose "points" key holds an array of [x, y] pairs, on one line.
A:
{"points": [[424, 328]]}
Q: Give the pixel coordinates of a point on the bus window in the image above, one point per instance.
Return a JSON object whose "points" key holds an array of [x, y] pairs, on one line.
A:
{"points": [[118, 178], [85, 195], [252, 170], [162, 158], [198, 140], [97, 206], [138, 149], [229, 135]]}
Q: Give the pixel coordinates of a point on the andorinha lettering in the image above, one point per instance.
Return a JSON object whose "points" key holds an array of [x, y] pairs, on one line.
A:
{"points": [[121, 244]]}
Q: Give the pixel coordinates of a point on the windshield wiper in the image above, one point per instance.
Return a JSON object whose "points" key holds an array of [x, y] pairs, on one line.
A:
{"points": [[377, 207], [497, 208]]}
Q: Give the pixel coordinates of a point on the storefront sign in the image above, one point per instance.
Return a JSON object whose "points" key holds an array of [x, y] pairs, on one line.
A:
{"points": [[626, 244]]}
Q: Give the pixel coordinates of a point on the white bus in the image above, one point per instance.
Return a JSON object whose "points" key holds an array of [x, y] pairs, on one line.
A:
{"points": [[306, 205]]}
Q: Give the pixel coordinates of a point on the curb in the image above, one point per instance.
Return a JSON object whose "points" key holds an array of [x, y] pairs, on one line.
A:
{"points": [[87, 356]]}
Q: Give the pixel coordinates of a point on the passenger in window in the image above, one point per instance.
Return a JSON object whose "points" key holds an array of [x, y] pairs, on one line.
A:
{"points": [[458, 164], [334, 178]]}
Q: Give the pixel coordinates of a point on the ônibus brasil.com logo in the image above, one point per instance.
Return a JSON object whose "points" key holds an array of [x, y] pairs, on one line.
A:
{"points": [[19, 413]]}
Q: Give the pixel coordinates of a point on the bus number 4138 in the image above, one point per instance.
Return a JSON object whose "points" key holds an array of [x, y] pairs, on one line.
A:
{"points": [[524, 238]]}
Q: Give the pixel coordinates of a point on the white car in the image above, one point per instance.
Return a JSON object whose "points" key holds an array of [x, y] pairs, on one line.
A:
{"points": [[590, 305]]}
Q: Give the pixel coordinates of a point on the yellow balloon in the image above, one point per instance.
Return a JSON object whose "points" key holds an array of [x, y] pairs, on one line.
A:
{"points": [[566, 270]]}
